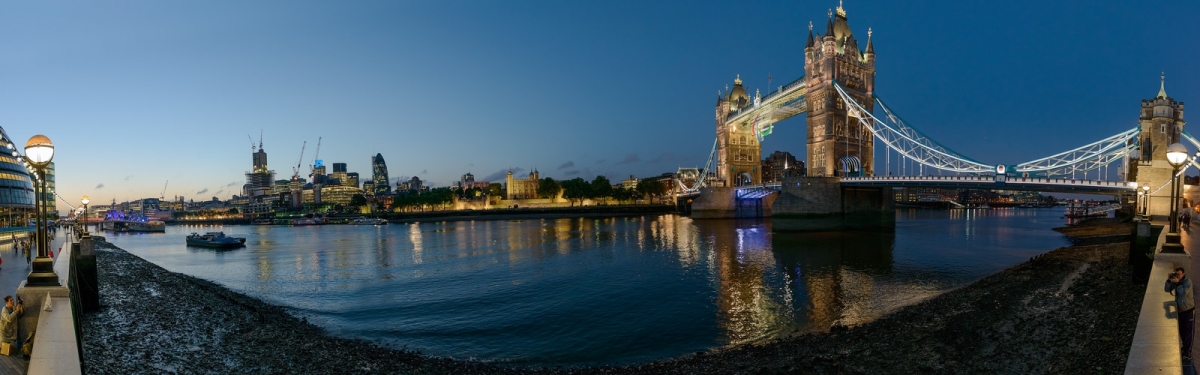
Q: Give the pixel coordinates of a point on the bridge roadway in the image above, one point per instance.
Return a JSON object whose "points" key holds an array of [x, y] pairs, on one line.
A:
{"points": [[1050, 185]]}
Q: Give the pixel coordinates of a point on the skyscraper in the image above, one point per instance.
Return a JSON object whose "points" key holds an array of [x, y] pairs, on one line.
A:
{"points": [[260, 181], [339, 175], [380, 177]]}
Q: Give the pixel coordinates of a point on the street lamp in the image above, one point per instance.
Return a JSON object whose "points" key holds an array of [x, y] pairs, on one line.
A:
{"points": [[39, 151], [85, 223], [1176, 155], [1145, 199]]}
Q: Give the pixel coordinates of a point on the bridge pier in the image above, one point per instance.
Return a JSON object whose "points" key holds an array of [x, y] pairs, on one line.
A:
{"points": [[724, 203], [822, 203], [803, 204]]}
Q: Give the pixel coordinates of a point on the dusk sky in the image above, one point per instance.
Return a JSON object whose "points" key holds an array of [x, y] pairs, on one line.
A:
{"points": [[137, 93]]}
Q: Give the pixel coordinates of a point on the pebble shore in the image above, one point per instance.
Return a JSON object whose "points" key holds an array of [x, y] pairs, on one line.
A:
{"points": [[1072, 310]]}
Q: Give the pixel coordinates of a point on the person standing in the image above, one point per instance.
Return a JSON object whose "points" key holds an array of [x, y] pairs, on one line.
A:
{"points": [[1185, 305], [8, 320]]}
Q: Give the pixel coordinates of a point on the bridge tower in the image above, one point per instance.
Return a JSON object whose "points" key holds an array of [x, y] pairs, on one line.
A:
{"points": [[738, 151], [1161, 122], [838, 145]]}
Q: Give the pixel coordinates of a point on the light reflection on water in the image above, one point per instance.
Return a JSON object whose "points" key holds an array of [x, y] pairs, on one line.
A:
{"points": [[601, 290]]}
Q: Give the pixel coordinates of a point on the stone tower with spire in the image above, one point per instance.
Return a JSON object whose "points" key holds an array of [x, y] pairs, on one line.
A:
{"points": [[738, 151], [1161, 122], [837, 144]]}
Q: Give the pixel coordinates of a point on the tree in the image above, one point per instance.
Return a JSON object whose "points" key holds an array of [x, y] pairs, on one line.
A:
{"points": [[576, 189], [358, 200], [622, 194], [548, 188], [651, 187], [495, 189], [601, 188]]}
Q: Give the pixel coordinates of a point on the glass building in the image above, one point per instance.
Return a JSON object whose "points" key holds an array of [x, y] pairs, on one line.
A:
{"points": [[380, 178], [16, 190]]}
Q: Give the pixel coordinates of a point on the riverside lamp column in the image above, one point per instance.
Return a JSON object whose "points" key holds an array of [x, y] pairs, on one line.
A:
{"points": [[1137, 211], [85, 223], [1177, 154], [39, 152], [1146, 197]]}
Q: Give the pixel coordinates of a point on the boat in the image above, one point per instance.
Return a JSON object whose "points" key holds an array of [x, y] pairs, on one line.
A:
{"points": [[120, 221], [368, 221], [305, 221], [262, 222], [146, 226], [216, 240]]}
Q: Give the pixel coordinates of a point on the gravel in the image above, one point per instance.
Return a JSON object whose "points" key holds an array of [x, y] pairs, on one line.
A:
{"points": [[1072, 310]]}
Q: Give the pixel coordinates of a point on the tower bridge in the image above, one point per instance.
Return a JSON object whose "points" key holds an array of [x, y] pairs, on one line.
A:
{"points": [[846, 120]]}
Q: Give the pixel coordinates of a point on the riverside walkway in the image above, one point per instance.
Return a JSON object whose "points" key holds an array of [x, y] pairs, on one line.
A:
{"points": [[1155, 348], [13, 271]]}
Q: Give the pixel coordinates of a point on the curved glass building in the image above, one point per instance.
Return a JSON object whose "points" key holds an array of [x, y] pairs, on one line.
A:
{"points": [[16, 189]]}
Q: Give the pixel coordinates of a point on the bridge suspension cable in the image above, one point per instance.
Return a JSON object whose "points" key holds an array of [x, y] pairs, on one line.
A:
{"points": [[1084, 158], [908, 141]]}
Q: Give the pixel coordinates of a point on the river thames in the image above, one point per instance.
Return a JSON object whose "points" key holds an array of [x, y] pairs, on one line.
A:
{"points": [[601, 290]]}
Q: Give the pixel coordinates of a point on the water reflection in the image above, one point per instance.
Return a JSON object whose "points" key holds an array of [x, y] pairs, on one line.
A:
{"points": [[611, 290]]}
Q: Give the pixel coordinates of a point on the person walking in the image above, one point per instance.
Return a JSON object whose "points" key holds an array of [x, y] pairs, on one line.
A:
{"points": [[1180, 285]]}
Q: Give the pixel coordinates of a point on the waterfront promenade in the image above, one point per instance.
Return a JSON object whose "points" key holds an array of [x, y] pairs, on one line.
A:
{"points": [[13, 272]]}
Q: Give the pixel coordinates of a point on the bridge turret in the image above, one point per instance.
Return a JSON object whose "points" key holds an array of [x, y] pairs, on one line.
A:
{"points": [[839, 145], [1162, 123]]}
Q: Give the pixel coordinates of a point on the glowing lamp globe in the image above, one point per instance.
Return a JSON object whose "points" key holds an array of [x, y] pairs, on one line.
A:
{"points": [[1176, 154], [85, 200], [40, 151]]}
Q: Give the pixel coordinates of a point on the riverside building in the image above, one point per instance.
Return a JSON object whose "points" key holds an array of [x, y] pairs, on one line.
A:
{"points": [[16, 192], [380, 177]]}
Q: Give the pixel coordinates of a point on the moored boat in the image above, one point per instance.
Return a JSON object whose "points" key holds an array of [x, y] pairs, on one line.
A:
{"points": [[216, 240], [368, 221], [147, 226]]}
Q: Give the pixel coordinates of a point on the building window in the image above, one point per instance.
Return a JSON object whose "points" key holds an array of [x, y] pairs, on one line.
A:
{"points": [[1162, 128]]}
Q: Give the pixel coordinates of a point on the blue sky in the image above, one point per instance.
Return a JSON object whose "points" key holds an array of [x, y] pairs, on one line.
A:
{"points": [[137, 93]]}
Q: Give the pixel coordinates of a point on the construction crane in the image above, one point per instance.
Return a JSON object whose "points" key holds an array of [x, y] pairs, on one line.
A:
{"points": [[312, 169], [296, 169], [251, 142], [163, 194]]}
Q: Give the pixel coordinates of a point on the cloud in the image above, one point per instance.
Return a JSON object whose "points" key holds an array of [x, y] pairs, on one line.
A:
{"points": [[128, 177], [218, 193], [566, 165], [232, 183], [202, 191], [99, 186], [501, 174], [631, 158], [670, 158]]}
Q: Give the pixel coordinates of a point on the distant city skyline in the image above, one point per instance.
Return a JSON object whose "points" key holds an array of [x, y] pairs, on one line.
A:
{"points": [[137, 94]]}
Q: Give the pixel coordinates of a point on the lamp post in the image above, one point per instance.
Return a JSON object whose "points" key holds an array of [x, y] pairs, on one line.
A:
{"points": [[85, 202], [1176, 155], [39, 151], [1145, 200]]}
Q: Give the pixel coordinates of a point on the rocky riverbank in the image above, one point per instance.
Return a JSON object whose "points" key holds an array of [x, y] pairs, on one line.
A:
{"points": [[1072, 310]]}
